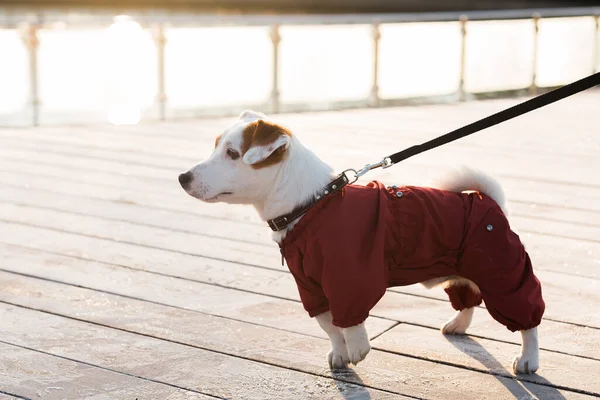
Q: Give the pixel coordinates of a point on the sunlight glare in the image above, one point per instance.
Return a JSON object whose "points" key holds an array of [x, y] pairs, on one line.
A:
{"points": [[565, 50], [14, 69], [125, 70], [218, 66]]}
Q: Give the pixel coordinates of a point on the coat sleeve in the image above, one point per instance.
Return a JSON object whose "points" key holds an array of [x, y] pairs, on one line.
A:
{"points": [[310, 291], [353, 281]]}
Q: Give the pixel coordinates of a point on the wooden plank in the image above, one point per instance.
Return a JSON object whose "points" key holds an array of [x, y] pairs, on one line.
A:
{"points": [[553, 220], [273, 312], [537, 131], [81, 162], [393, 120], [540, 192], [403, 122], [392, 124], [37, 141], [580, 294], [125, 193], [423, 169], [550, 202], [383, 370], [568, 298], [133, 206], [554, 336], [226, 229], [129, 212], [505, 164], [151, 237], [411, 122], [187, 367], [551, 213], [574, 259], [515, 187], [177, 221], [7, 396], [380, 140], [487, 356], [561, 300], [34, 375], [94, 148], [207, 298]]}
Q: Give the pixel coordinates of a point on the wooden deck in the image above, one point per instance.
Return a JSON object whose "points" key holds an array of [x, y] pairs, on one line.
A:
{"points": [[114, 284]]}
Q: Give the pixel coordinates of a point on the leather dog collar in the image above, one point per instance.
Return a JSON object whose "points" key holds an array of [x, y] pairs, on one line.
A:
{"points": [[280, 223]]}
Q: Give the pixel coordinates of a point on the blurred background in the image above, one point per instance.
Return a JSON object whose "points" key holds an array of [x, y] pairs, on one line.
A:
{"points": [[128, 61]]}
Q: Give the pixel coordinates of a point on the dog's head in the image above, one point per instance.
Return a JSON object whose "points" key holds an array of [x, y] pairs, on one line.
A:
{"points": [[244, 163]]}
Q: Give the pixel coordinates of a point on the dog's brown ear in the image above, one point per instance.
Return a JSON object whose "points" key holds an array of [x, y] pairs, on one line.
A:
{"points": [[265, 143]]}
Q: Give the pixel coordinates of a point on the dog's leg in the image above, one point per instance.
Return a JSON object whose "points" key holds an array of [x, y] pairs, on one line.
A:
{"points": [[528, 361], [357, 342], [459, 324], [338, 355], [464, 296]]}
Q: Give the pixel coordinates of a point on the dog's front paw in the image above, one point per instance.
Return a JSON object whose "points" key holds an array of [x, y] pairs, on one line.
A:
{"points": [[338, 358], [357, 343], [526, 364], [358, 351]]}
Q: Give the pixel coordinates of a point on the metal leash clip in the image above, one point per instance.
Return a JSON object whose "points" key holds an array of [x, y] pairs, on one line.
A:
{"points": [[384, 163]]}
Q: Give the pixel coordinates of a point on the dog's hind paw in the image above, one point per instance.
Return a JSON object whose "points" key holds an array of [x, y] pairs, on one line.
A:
{"points": [[338, 358], [524, 364], [459, 324]]}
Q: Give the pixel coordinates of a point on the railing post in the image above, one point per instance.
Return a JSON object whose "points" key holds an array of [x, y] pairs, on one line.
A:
{"points": [[30, 38], [275, 40], [596, 63], [161, 40], [376, 32], [462, 96], [536, 26]]}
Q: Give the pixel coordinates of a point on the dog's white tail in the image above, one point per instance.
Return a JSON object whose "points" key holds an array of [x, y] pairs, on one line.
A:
{"points": [[465, 179]]}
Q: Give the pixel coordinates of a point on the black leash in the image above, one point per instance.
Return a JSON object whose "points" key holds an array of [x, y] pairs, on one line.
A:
{"points": [[502, 116], [540, 101]]}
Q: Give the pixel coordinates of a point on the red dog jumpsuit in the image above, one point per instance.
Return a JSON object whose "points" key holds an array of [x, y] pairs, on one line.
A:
{"points": [[351, 246]]}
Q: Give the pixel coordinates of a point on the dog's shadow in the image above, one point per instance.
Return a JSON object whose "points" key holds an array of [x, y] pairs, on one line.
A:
{"points": [[350, 385], [522, 387]]}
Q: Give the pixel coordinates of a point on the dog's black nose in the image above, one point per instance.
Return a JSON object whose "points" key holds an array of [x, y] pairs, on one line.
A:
{"points": [[185, 178]]}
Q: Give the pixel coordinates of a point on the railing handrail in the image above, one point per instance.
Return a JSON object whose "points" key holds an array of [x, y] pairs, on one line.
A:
{"points": [[10, 18]]}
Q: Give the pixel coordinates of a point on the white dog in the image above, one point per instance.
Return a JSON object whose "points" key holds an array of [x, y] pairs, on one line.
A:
{"points": [[435, 236]]}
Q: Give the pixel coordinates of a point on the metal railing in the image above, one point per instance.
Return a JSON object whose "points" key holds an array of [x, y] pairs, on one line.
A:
{"points": [[30, 24]]}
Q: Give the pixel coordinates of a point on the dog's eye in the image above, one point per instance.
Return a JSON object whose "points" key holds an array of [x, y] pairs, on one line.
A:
{"points": [[234, 155]]}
